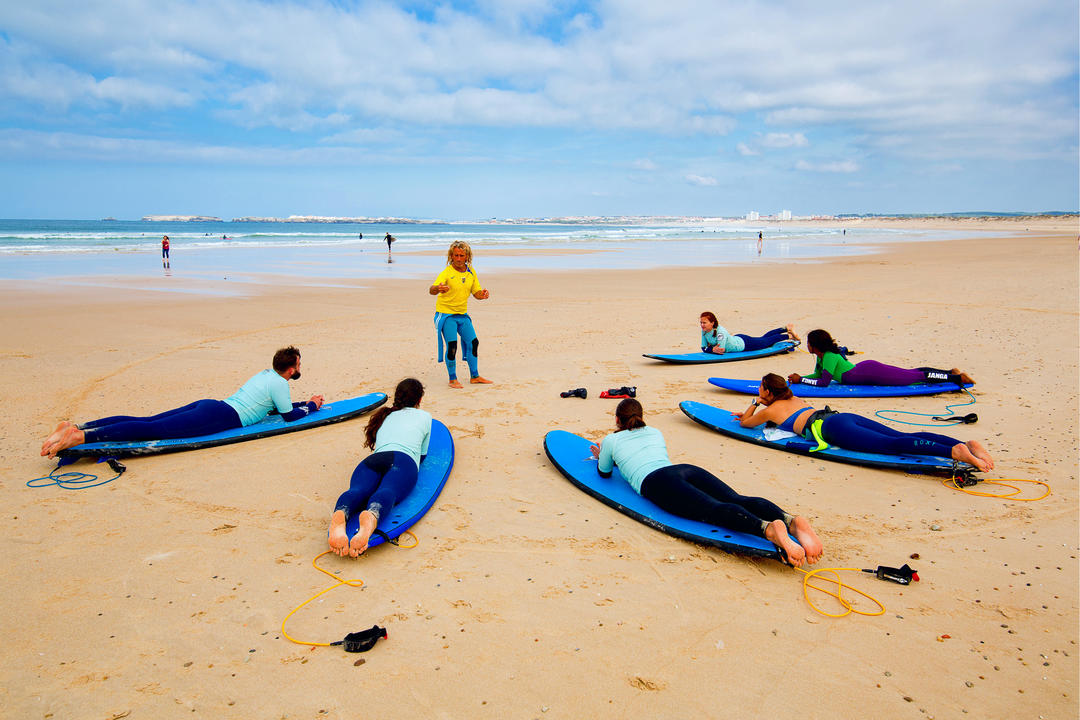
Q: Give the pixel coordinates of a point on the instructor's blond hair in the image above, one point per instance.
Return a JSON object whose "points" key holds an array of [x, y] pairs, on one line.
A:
{"points": [[459, 245]]}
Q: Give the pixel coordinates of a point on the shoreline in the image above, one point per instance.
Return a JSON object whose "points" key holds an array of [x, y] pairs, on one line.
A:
{"points": [[524, 593]]}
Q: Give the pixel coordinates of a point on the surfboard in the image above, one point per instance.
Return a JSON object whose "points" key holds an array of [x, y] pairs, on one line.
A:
{"points": [[271, 425], [724, 422], [570, 454], [434, 470], [835, 390], [699, 358]]}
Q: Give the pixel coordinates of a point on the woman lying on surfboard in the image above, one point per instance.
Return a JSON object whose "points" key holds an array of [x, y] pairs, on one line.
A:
{"points": [[715, 339], [832, 365], [695, 493], [398, 436], [775, 403], [265, 392]]}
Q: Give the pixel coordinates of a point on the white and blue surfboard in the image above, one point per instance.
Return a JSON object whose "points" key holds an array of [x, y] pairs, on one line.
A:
{"points": [[725, 423], [270, 425], [570, 454], [700, 358]]}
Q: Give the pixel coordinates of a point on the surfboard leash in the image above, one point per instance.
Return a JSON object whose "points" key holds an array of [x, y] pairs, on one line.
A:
{"points": [[963, 479], [938, 418], [73, 480], [354, 642], [847, 603]]}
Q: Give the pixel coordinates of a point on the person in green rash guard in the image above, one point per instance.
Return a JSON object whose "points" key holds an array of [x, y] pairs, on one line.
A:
{"points": [[832, 365]]}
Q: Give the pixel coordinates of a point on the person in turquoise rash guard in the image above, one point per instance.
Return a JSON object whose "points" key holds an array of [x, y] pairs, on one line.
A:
{"points": [[398, 437], [832, 365], [693, 492], [715, 339], [266, 392]]}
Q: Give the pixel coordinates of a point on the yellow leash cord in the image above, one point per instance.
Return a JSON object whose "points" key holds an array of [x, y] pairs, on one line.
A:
{"points": [[1004, 482], [849, 608], [355, 582]]}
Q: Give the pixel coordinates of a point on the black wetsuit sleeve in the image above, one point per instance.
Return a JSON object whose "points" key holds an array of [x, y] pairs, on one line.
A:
{"points": [[603, 474]]}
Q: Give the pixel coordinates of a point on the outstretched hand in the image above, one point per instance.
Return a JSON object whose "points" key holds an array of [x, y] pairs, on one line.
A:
{"points": [[595, 450], [482, 295], [318, 400], [794, 378]]}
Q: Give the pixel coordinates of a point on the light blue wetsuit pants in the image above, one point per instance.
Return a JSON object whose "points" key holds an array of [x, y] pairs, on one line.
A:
{"points": [[450, 327]]}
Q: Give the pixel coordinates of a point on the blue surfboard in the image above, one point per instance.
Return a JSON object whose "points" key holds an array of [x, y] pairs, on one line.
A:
{"points": [[835, 390], [570, 454], [724, 422], [271, 425], [699, 358], [434, 470]]}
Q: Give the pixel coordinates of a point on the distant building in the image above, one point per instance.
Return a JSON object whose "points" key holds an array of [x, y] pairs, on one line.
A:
{"points": [[752, 216], [785, 215]]}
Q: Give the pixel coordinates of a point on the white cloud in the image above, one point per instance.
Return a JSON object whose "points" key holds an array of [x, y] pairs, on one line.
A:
{"points": [[745, 150], [784, 140], [701, 180], [644, 164], [839, 166]]}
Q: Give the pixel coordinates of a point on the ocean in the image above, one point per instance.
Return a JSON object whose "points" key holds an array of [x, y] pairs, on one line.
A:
{"points": [[313, 253]]}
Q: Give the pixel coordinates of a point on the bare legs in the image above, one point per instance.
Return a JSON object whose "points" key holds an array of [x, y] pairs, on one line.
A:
{"points": [[791, 331]]}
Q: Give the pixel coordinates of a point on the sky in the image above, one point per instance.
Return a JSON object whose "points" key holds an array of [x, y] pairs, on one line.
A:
{"points": [[524, 108]]}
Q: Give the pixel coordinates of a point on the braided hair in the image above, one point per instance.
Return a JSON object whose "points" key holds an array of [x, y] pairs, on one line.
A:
{"points": [[821, 341], [407, 394]]}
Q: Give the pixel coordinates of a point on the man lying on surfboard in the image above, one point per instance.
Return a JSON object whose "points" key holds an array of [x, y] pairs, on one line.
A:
{"points": [[776, 403], [265, 392]]}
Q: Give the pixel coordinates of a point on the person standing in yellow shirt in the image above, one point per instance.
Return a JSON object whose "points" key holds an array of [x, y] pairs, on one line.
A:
{"points": [[452, 289]]}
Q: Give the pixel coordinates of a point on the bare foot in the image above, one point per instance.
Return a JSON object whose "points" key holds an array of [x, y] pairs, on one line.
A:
{"points": [[978, 450], [69, 437], [359, 541], [480, 381], [811, 543], [778, 535], [339, 540], [964, 377], [455, 384], [962, 453], [55, 435], [791, 331]]}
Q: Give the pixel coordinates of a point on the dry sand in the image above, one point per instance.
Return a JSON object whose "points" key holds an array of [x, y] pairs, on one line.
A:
{"points": [[161, 594]]}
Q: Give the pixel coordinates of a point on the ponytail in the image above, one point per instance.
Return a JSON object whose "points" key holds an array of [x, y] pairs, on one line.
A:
{"points": [[821, 341], [629, 415], [777, 386], [407, 394]]}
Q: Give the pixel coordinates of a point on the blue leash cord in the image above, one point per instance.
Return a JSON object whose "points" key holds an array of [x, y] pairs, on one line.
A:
{"points": [[76, 480], [966, 420]]}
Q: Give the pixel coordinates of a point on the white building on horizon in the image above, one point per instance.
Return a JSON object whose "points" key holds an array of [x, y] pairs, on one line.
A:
{"points": [[785, 214], [752, 216]]}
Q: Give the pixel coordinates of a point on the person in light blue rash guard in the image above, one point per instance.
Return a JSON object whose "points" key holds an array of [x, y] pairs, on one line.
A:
{"points": [[266, 392], [693, 492], [398, 437], [715, 339]]}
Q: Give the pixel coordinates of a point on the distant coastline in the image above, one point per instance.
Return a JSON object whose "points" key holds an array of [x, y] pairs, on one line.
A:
{"points": [[628, 219]]}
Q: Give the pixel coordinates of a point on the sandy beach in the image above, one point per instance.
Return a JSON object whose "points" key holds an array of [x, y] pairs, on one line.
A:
{"points": [[162, 593]]}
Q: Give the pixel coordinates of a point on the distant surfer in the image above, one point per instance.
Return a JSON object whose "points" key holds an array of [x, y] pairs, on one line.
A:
{"points": [[776, 403], [389, 241], [398, 437], [833, 365], [760, 242], [266, 392], [695, 493], [165, 251], [453, 286]]}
